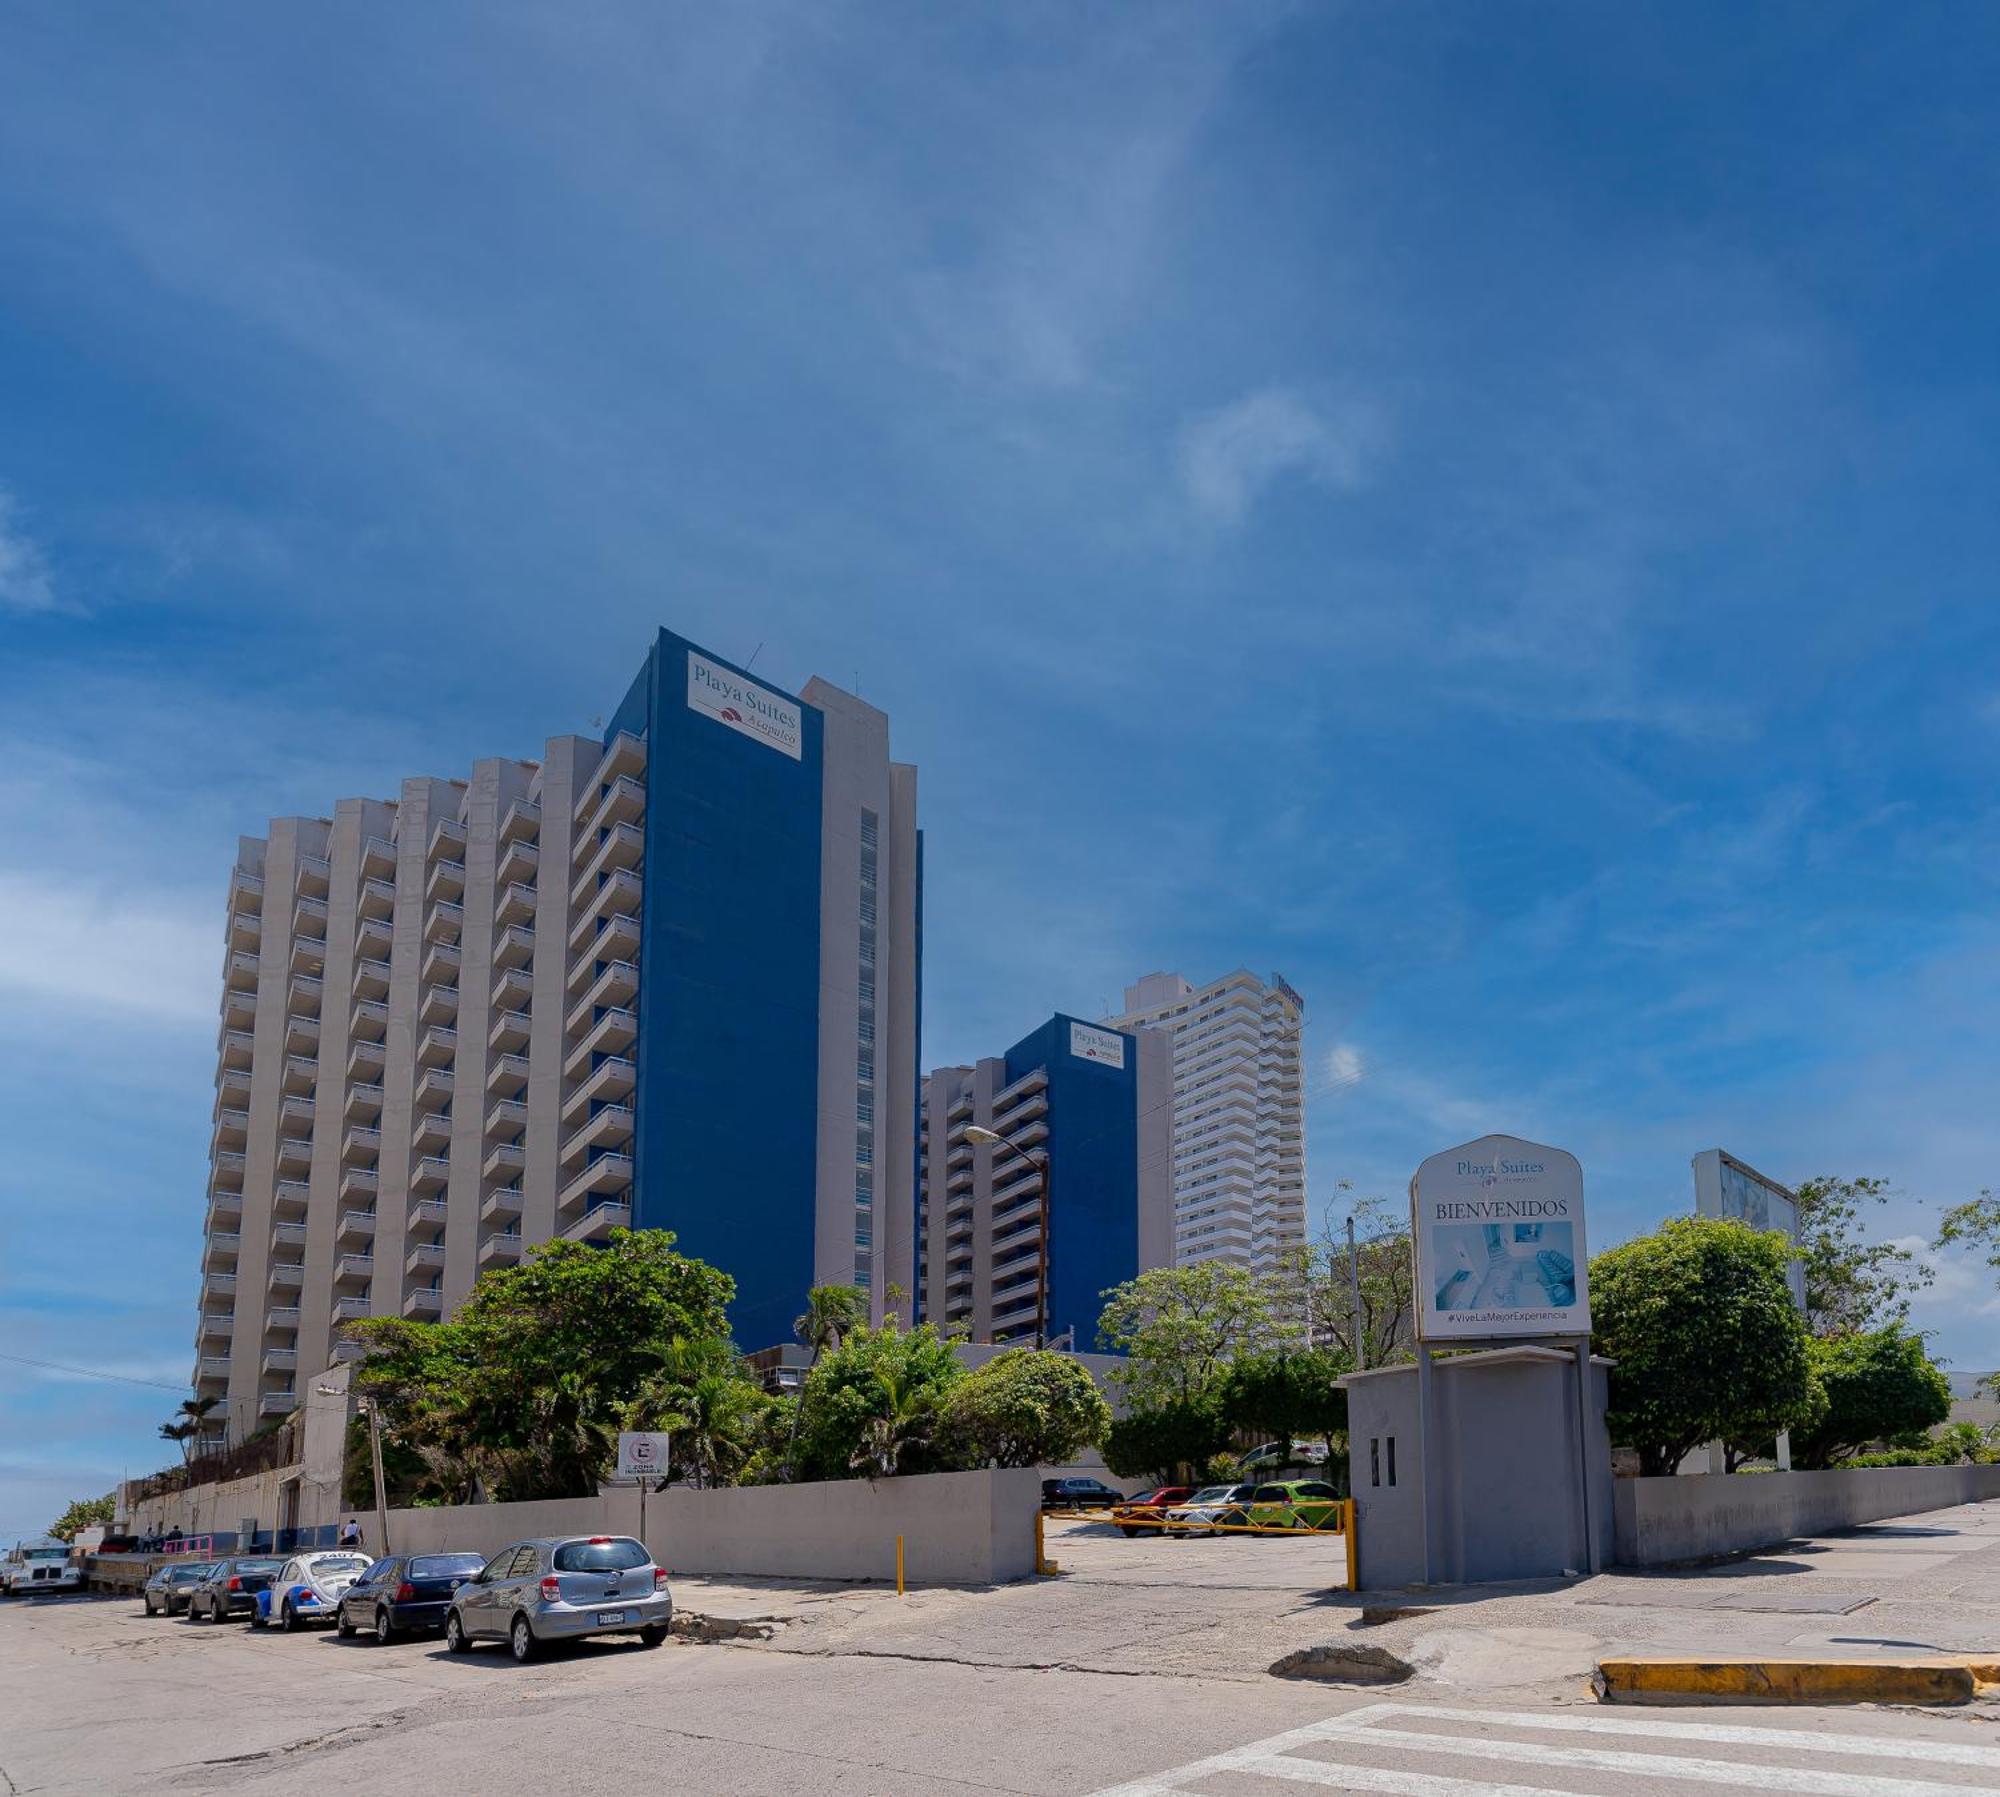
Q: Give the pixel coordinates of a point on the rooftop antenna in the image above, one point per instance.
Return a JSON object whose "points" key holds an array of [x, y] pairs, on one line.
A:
{"points": [[752, 662]]}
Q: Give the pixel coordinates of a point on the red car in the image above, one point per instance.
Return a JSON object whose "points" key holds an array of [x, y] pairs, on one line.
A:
{"points": [[1132, 1514]]}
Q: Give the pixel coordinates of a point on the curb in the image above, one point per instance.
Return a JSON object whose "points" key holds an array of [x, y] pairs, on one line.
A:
{"points": [[1689, 1678]]}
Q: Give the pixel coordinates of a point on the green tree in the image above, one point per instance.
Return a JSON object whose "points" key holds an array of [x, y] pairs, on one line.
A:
{"points": [[189, 1424], [1169, 1444], [831, 1314], [1286, 1395], [84, 1513], [525, 1389], [1023, 1408], [871, 1405], [1851, 1283], [1316, 1278], [1180, 1326], [1709, 1346], [1880, 1386], [701, 1395]]}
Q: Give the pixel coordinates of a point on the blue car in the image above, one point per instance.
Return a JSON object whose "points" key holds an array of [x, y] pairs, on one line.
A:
{"points": [[307, 1589]]}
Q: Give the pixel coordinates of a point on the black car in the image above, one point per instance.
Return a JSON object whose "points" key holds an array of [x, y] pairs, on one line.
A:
{"points": [[1078, 1494], [231, 1588], [168, 1589], [410, 1591]]}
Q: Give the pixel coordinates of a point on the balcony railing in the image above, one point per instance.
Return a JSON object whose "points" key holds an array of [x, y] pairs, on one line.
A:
{"points": [[624, 803], [425, 1257], [624, 754], [521, 821], [609, 1128], [436, 1047], [612, 1078], [364, 1101], [618, 982], [516, 904], [242, 972], [246, 890], [502, 1247], [504, 1201], [424, 1302], [615, 1030], [447, 881], [507, 1075], [439, 1006], [431, 1174], [624, 847], [513, 946], [505, 1117], [504, 1161], [598, 1221], [444, 922], [447, 838], [290, 1195], [357, 1226], [371, 979], [607, 1174], [510, 1033], [519, 863], [618, 896]]}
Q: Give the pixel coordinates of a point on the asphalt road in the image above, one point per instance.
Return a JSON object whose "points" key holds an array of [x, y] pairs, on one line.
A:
{"points": [[96, 1697]]}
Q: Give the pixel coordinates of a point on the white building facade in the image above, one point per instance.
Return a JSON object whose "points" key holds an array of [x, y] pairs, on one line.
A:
{"points": [[1239, 1130]]}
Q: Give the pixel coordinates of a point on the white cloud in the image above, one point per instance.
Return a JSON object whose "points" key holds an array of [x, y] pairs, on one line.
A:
{"points": [[1343, 1067], [1228, 457], [25, 581], [77, 943]]}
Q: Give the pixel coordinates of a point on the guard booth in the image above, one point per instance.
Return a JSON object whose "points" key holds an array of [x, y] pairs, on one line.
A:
{"points": [[1507, 1477], [1489, 1458]]}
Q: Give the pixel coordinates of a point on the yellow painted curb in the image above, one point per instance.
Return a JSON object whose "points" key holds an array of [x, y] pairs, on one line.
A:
{"points": [[1688, 1678]]}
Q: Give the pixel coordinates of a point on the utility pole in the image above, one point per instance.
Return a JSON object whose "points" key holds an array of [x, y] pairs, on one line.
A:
{"points": [[1354, 1285], [381, 1491]]}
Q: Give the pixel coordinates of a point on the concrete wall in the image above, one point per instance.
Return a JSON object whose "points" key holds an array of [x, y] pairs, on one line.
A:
{"points": [[1691, 1517], [957, 1528]]}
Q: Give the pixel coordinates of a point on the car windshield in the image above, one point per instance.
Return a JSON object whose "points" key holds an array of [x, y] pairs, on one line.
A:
{"points": [[1210, 1494], [258, 1566], [445, 1566], [185, 1575], [48, 1553], [337, 1563], [619, 1555]]}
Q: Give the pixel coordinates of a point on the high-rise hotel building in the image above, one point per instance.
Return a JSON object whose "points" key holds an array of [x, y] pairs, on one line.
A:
{"points": [[666, 979], [1095, 1105], [1239, 1112]]}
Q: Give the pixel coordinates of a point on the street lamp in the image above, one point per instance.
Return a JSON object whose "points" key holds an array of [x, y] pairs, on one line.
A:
{"points": [[975, 1132]]}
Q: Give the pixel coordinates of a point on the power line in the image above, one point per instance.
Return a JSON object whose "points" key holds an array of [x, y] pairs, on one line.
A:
{"points": [[86, 1372]]}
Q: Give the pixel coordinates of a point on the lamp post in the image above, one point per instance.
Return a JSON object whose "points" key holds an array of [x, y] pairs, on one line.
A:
{"points": [[975, 1132]]}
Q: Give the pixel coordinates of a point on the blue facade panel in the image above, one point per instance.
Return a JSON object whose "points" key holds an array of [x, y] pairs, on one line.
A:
{"points": [[1093, 1148], [727, 1100]]}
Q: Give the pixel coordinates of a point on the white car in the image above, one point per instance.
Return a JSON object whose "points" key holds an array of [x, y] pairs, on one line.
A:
{"points": [[1210, 1505], [307, 1589]]}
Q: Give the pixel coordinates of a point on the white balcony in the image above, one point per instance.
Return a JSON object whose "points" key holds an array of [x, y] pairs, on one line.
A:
{"points": [[623, 848], [239, 1010], [520, 861], [502, 1248], [514, 990], [513, 947], [354, 1269], [598, 1221], [428, 1211], [425, 1257], [447, 881], [609, 1080], [241, 973], [609, 1128], [357, 1229], [295, 1154], [510, 1032], [287, 1235], [617, 897], [436, 1047], [441, 964], [617, 940], [366, 1058], [314, 871], [374, 938], [624, 803], [623, 754], [288, 1274], [295, 1111], [361, 1145], [232, 1129], [504, 1161], [506, 1117], [345, 1350], [245, 931], [521, 821], [236, 1048], [431, 1174], [516, 905], [615, 986], [219, 1285], [213, 1366], [378, 858], [309, 918], [609, 1174], [424, 1303], [277, 1403], [301, 1075], [504, 1202], [216, 1325], [444, 922], [612, 1033], [291, 1198], [224, 1208], [358, 1185], [351, 1309], [364, 1102], [435, 1085], [439, 1006], [301, 1034], [371, 979], [246, 891], [447, 840], [432, 1130], [232, 1088], [219, 1250], [280, 1317], [507, 1075], [279, 1360], [309, 954]]}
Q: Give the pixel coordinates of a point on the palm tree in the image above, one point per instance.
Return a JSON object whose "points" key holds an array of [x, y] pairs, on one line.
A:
{"points": [[831, 1315], [902, 1420], [188, 1424], [699, 1394], [181, 1433]]}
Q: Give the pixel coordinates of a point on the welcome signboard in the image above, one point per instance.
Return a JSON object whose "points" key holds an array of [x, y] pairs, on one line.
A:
{"points": [[1497, 1226]]}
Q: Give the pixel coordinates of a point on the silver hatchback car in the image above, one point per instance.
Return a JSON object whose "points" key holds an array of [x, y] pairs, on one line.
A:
{"points": [[561, 1588]]}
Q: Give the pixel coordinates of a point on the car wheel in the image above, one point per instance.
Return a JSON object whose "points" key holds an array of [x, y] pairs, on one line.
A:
{"points": [[150, 1611], [1235, 1519], [1127, 1530], [385, 1629], [258, 1619], [456, 1640], [341, 1626], [653, 1634], [521, 1640], [288, 1620]]}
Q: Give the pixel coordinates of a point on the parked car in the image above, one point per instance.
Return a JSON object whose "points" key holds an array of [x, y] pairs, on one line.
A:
{"points": [[404, 1593], [307, 1589], [1210, 1505], [166, 1592], [40, 1564], [561, 1588], [1275, 1454], [1143, 1509], [230, 1587], [1295, 1504], [1078, 1494]]}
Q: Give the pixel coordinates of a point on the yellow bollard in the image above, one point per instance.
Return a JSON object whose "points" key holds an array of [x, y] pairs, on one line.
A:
{"points": [[1043, 1564], [1353, 1548], [899, 1566]]}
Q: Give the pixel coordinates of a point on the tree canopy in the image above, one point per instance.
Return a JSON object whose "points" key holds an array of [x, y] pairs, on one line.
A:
{"points": [[1285, 1394], [1170, 1443], [1880, 1385], [1319, 1272], [84, 1513], [1851, 1283], [1709, 1346], [1180, 1326], [872, 1406], [1024, 1408]]}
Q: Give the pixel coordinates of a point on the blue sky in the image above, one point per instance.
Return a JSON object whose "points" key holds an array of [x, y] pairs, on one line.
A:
{"points": [[1488, 511]]}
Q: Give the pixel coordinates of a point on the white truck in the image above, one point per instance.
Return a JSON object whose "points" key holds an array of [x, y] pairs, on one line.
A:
{"points": [[40, 1564]]}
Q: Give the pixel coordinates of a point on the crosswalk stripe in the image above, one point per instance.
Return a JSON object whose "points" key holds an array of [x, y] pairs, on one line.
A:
{"points": [[1936, 1753], [1814, 1779]]}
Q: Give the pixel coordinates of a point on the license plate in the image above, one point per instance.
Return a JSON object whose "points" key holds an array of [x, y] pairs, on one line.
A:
{"points": [[610, 1616]]}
